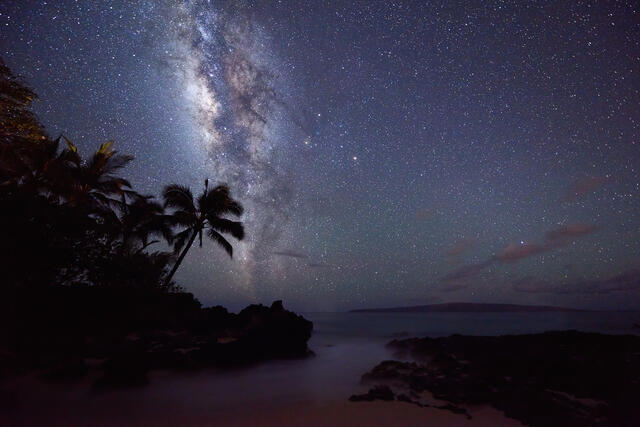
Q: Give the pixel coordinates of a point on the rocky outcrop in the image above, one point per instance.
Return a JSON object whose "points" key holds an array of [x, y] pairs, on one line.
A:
{"points": [[379, 392], [220, 339], [172, 331], [566, 378]]}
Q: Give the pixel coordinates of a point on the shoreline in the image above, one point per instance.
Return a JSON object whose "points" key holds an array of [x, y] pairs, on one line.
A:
{"points": [[75, 404], [313, 391]]}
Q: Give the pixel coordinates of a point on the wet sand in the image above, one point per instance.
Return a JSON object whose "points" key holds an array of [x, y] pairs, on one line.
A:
{"points": [[350, 414], [183, 401]]}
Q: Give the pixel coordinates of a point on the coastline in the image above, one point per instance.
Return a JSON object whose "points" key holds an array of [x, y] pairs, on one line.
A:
{"points": [[312, 391], [59, 405]]}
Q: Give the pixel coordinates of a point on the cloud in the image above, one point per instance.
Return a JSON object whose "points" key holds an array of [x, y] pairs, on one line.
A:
{"points": [[466, 271], [460, 247], [514, 252], [623, 282], [570, 231], [554, 238], [424, 213], [583, 186], [290, 253]]}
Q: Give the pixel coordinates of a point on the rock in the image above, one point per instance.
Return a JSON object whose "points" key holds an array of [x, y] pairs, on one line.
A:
{"points": [[379, 392], [565, 378], [274, 332], [124, 370], [255, 334], [154, 331], [68, 369]]}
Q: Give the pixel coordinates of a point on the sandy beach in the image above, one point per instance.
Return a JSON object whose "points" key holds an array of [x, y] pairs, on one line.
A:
{"points": [[58, 405]]}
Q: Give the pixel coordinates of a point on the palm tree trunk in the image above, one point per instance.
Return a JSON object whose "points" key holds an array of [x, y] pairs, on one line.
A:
{"points": [[180, 258]]}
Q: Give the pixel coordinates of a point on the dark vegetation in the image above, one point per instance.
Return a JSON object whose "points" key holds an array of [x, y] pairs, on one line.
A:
{"points": [[80, 277], [564, 378]]}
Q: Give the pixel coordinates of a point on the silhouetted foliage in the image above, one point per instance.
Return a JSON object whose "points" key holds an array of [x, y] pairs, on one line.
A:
{"points": [[17, 121], [69, 220], [77, 275], [205, 214]]}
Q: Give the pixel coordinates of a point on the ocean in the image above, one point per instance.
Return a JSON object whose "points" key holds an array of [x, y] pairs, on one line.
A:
{"points": [[345, 326]]}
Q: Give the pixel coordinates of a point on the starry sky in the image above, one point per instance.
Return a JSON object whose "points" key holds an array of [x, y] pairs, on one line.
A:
{"points": [[386, 152]]}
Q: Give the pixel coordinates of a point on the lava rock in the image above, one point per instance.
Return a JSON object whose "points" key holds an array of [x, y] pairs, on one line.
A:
{"points": [[563, 378], [380, 392]]}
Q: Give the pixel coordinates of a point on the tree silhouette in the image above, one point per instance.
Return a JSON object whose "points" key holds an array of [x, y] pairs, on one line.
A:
{"points": [[17, 121], [94, 185], [139, 221], [205, 214]]}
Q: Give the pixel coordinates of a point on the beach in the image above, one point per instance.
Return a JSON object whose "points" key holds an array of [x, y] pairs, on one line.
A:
{"points": [[57, 405], [310, 391]]}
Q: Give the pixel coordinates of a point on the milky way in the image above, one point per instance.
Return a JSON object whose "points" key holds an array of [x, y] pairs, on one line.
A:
{"points": [[387, 153], [229, 79]]}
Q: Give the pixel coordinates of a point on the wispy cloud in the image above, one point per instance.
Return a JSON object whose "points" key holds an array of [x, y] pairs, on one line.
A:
{"points": [[515, 252], [570, 231], [466, 271], [554, 239], [460, 247], [583, 186], [626, 281]]}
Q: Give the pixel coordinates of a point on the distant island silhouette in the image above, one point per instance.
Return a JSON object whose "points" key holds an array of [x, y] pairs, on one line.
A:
{"points": [[468, 307]]}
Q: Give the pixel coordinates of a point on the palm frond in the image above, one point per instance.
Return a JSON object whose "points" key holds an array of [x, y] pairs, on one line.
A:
{"points": [[223, 225], [233, 207], [106, 147], [72, 147], [182, 217], [70, 157], [145, 245], [116, 161], [180, 239], [111, 185], [104, 202], [217, 237], [51, 147], [178, 196], [218, 201]]}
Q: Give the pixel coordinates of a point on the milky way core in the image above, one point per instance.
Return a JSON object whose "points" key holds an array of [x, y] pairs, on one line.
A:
{"points": [[232, 84]]}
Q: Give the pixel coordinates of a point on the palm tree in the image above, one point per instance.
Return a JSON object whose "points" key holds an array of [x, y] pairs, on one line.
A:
{"points": [[94, 185], [17, 121], [205, 214], [62, 175], [137, 222]]}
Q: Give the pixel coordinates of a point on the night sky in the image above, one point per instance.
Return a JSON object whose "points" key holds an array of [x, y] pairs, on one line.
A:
{"points": [[387, 153]]}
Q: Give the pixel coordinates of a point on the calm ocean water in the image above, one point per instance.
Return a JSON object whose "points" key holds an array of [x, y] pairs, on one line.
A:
{"points": [[377, 326]]}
